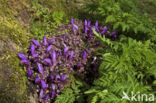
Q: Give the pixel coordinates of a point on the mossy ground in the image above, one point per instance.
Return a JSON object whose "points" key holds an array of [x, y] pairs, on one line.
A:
{"points": [[13, 39]]}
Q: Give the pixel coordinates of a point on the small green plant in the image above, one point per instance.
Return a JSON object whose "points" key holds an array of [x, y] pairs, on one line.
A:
{"points": [[44, 21]]}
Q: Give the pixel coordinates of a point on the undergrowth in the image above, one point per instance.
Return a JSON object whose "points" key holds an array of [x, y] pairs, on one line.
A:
{"points": [[130, 17]]}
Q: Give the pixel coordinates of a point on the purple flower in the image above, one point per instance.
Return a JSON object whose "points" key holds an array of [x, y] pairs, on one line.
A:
{"points": [[96, 24], [74, 26], [49, 48], [65, 49], [52, 76], [29, 73], [44, 40], [86, 22], [89, 22], [43, 84], [53, 93], [84, 55], [40, 68], [104, 30], [21, 56], [26, 63], [58, 76], [63, 77], [42, 93], [71, 54], [47, 96], [86, 27], [37, 80], [53, 56], [33, 50], [51, 40], [78, 64], [48, 60], [53, 86], [35, 42]]}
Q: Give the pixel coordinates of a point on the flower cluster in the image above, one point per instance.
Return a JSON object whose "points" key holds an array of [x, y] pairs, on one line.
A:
{"points": [[50, 61]]}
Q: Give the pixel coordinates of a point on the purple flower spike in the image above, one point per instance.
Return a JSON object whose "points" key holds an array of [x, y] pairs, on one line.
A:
{"points": [[49, 48], [58, 76], [86, 27], [84, 55], [48, 60], [78, 64], [24, 61], [40, 68], [53, 93], [74, 30], [42, 93], [85, 22], [35, 42], [52, 76], [89, 22], [71, 54], [63, 77], [65, 49], [51, 40], [53, 86], [43, 84], [44, 40], [53, 56], [96, 24], [47, 96], [75, 27], [33, 50], [21, 56], [104, 30], [29, 73], [37, 80]]}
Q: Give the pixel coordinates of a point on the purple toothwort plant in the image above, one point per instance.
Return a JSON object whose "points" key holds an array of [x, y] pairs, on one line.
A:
{"points": [[49, 61]]}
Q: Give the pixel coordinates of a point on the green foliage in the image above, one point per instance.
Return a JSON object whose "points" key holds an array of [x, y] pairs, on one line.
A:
{"points": [[127, 16], [72, 94], [44, 21], [67, 96], [128, 66]]}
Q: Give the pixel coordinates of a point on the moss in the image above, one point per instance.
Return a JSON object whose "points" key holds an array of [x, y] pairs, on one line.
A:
{"points": [[13, 39], [12, 80]]}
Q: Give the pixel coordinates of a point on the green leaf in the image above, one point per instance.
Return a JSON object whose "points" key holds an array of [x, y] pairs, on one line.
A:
{"points": [[110, 18]]}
